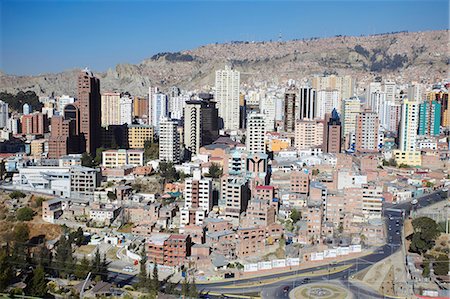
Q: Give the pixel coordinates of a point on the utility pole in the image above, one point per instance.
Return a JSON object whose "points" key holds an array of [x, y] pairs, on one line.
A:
{"points": [[84, 285]]}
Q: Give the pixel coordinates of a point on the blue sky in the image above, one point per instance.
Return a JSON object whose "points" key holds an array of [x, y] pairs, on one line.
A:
{"points": [[52, 36]]}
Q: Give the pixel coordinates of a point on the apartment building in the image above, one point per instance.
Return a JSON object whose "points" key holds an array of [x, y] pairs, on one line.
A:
{"points": [[122, 157]]}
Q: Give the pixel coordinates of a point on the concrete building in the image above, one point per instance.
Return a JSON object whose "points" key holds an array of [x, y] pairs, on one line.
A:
{"points": [[198, 200], [200, 125], [140, 108], [372, 200], [138, 135], [122, 157], [227, 90], [327, 100], [350, 109], [345, 85], [83, 181], [4, 114], [250, 241], [89, 105], [177, 104], [308, 134], [126, 110], [307, 104], [267, 106], [62, 101], [299, 182], [35, 123], [367, 135], [408, 126], [169, 144], [236, 194], [430, 118], [256, 132], [159, 108], [332, 133], [169, 250], [290, 103], [110, 108]]}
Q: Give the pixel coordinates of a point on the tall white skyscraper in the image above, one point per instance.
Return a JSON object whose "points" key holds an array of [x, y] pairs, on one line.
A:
{"points": [[327, 100], [350, 109], [267, 106], [176, 106], [307, 104], [256, 132], [126, 110], [159, 108], [390, 88], [110, 108], [4, 114], [227, 97], [409, 123], [169, 141]]}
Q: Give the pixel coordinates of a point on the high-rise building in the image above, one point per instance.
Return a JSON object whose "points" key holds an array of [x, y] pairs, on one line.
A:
{"points": [[169, 143], [176, 106], [198, 200], [290, 104], [440, 94], [200, 124], [308, 134], [345, 85], [126, 110], [236, 194], [332, 133], [35, 123], [159, 108], [430, 118], [327, 100], [4, 114], [267, 106], [227, 91], [390, 89], [409, 123], [256, 132], [140, 108], [89, 105], [350, 109], [367, 137], [110, 108], [307, 104]]}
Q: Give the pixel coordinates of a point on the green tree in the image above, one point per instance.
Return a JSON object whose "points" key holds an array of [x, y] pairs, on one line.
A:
{"points": [[21, 233], [315, 172], [426, 230], [142, 276], [98, 156], [86, 160], [38, 284], [185, 287], [215, 171], [155, 278], [193, 293], [6, 271], [168, 172], [17, 194], [111, 195], [24, 214], [441, 265], [64, 260], [426, 268], [151, 150], [82, 268], [295, 215]]}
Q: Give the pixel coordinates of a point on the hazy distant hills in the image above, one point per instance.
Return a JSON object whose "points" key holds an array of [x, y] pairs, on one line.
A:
{"points": [[419, 56]]}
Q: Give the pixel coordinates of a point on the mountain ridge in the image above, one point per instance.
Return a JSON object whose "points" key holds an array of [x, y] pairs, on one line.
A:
{"points": [[406, 56]]}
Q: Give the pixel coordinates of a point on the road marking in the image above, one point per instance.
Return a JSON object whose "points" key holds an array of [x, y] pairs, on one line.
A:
{"points": [[274, 280]]}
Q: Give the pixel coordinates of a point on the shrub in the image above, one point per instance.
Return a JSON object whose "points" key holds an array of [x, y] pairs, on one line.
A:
{"points": [[25, 214]]}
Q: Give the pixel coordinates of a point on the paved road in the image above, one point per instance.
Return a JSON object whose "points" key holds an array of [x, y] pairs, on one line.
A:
{"points": [[394, 219]]}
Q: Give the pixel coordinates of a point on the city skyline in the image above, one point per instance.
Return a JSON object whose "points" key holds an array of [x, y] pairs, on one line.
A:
{"points": [[45, 36]]}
